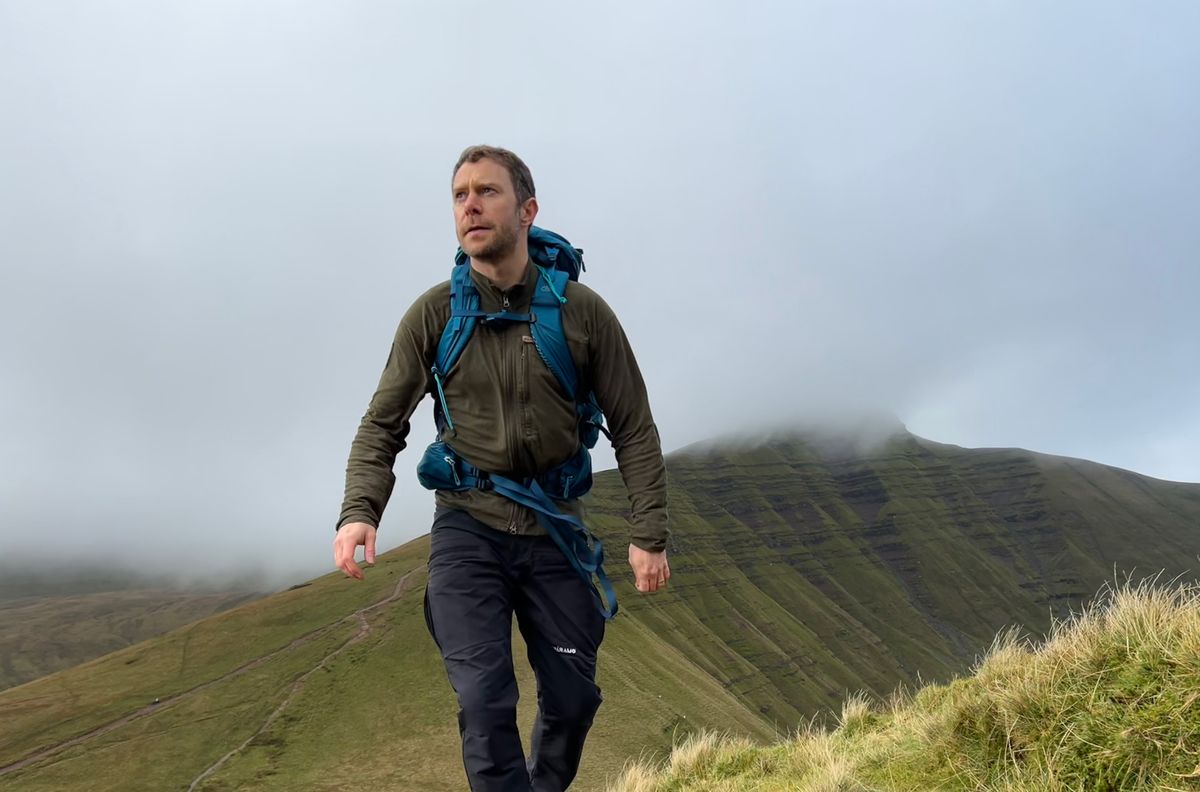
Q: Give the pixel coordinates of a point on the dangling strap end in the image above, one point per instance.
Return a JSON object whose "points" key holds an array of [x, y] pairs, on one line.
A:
{"points": [[437, 380], [550, 283]]}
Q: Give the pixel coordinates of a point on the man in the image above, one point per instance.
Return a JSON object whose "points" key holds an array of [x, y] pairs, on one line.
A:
{"points": [[490, 557]]}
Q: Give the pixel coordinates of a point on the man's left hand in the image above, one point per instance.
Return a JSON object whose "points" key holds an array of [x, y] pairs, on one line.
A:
{"points": [[650, 570]]}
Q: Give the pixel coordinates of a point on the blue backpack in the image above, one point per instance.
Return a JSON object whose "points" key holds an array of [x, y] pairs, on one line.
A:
{"points": [[441, 468]]}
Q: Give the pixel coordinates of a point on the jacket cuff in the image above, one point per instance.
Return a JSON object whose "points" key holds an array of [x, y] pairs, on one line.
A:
{"points": [[649, 546], [363, 518], [650, 538]]}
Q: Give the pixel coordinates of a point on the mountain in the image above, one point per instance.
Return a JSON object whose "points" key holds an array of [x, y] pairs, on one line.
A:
{"points": [[59, 615], [805, 567], [43, 634], [809, 566]]}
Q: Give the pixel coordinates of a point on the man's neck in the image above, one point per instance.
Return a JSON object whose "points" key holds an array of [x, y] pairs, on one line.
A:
{"points": [[507, 272]]}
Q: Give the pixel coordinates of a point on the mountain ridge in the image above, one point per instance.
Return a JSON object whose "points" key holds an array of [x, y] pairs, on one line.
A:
{"points": [[801, 574]]}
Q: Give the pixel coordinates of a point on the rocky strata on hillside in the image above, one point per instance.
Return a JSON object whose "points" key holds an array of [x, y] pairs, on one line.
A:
{"points": [[807, 566]]}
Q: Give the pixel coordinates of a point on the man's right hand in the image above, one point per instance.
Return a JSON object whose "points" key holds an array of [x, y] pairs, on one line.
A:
{"points": [[346, 543]]}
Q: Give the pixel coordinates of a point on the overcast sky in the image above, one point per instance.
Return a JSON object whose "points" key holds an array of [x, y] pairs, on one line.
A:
{"points": [[981, 217]]}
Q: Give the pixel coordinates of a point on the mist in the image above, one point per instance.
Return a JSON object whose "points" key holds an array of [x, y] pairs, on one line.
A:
{"points": [[979, 219]]}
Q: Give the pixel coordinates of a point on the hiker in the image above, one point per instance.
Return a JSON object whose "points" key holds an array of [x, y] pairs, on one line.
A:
{"points": [[523, 369]]}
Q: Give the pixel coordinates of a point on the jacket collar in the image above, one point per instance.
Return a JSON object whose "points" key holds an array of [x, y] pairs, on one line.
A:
{"points": [[491, 297]]}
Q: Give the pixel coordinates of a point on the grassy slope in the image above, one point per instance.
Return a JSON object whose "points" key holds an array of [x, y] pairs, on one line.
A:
{"points": [[379, 713], [41, 635], [802, 573], [807, 571], [1107, 703]]}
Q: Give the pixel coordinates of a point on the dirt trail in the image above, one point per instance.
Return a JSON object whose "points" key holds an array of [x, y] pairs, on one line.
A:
{"points": [[363, 631]]}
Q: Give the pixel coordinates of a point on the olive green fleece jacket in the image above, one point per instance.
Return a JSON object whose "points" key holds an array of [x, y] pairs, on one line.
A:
{"points": [[511, 415]]}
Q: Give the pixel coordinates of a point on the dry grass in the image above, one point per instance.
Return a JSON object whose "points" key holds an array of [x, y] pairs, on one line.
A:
{"points": [[1110, 701]]}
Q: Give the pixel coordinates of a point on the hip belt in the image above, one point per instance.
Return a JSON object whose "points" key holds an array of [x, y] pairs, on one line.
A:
{"points": [[441, 468]]}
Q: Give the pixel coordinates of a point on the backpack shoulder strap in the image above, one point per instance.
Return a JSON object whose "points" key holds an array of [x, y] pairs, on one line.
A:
{"points": [[464, 307], [547, 329], [464, 300]]}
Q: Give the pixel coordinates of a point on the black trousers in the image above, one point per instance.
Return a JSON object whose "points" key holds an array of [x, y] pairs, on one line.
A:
{"points": [[478, 578]]}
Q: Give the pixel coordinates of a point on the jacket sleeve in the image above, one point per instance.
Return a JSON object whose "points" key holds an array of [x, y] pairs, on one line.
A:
{"points": [[384, 428], [621, 392]]}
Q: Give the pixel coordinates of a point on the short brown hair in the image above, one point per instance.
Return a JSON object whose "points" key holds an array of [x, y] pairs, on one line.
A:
{"points": [[518, 171]]}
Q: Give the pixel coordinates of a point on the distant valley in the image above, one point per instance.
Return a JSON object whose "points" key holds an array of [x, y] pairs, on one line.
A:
{"points": [[44, 633]]}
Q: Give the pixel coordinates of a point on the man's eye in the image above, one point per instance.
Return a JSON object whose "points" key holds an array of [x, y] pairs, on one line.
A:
{"points": [[458, 196], [489, 189]]}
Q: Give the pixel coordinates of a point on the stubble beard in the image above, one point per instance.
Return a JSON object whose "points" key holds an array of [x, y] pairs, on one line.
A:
{"points": [[500, 246]]}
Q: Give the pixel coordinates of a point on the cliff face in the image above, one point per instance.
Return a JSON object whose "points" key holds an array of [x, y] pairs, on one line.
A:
{"points": [[807, 567]]}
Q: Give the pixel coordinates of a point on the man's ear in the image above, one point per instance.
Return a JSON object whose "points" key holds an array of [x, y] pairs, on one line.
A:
{"points": [[529, 212]]}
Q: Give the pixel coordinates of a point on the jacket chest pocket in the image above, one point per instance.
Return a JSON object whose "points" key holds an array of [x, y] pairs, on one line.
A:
{"points": [[524, 364], [524, 392], [541, 383], [549, 422]]}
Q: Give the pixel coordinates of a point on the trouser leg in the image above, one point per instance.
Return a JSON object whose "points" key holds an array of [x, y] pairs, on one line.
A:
{"points": [[468, 608], [562, 627]]}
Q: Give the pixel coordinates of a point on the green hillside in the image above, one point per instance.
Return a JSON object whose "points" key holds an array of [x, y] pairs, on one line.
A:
{"points": [[334, 685], [43, 634], [806, 569], [1107, 703], [803, 570]]}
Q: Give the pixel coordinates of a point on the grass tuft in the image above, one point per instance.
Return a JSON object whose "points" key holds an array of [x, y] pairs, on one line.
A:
{"points": [[1110, 700]]}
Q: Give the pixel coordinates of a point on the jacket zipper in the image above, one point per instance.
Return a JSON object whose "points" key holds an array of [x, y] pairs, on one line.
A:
{"points": [[504, 369]]}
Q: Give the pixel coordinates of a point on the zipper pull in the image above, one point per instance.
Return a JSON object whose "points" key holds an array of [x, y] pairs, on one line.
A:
{"points": [[506, 305], [453, 471]]}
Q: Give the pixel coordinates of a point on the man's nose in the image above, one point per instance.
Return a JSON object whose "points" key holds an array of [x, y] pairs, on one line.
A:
{"points": [[472, 203]]}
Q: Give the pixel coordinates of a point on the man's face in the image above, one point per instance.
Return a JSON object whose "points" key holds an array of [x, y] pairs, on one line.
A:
{"points": [[487, 219]]}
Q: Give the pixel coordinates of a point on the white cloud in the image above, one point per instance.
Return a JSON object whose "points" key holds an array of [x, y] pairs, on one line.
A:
{"points": [[211, 218]]}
